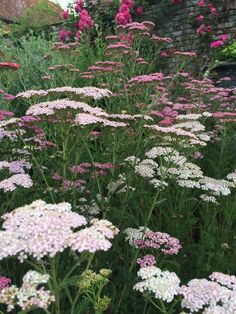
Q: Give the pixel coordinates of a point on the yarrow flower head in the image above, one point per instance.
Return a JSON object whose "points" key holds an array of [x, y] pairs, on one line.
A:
{"points": [[17, 180], [214, 296], [83, 92], [42, 229], [145, 238], [10, 65], [163, 284], [156, 240], [4, 282], [28, 296], [147, 260]]}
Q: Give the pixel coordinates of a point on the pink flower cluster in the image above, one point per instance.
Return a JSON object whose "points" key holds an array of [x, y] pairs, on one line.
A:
{"points": [[87, 168], [4, 114], [210, 11], [220, 42], [10, 65], [156, 240], [82, 92], [84, 23], [17, 180], [15, 166], [65, 14], [79, 5], [123, 17], [4, 282], [215, 296], [176, 1], [204, 29], [42, 229], [65, 35], [146, 261], [145, 79]]}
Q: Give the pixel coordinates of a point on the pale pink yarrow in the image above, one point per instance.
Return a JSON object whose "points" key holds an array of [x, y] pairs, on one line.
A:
{"points": [[201, 293], [87, 119], [224, 279], [16, 180], [161, 39], [15, 166], [42, 229], [94, 238], [172, 130], [90, 92], [51, 107], [148, 78]]}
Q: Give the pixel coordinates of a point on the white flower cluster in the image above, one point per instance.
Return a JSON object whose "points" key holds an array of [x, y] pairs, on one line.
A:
{"points": [[171, 165], [187, 171], [28, 296], [169, 154], [133, 234], [193, 126], [163, 284], [120, 185], [146, 168], [232, 176], [216, 187]]}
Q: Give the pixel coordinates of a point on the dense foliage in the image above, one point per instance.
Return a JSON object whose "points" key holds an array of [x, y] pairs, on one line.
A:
{"points": [[117, 177]]}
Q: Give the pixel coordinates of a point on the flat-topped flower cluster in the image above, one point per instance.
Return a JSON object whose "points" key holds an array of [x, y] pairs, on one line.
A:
{"points": [[42, 229]]}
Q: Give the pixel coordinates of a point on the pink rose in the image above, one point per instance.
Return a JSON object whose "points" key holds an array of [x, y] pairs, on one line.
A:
{"points": [[201, 3], [65, 14], [213, 10], [85, 21], [223, 37], [201, 29], [129, 3], [79, 6], [200, 18], [123, 17], [216, 43]]}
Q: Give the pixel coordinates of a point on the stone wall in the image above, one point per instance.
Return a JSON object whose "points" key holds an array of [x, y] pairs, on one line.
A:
{"points": [[176, 22]]}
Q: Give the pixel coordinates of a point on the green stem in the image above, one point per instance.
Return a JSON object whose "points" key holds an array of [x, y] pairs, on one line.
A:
{"points": [[56, 288], [136, 254], [163, 310], [79, 291], [41, 172], [69, 273]]}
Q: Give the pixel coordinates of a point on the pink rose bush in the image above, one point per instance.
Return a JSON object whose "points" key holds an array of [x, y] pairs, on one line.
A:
{"points": [[83, 22]]}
